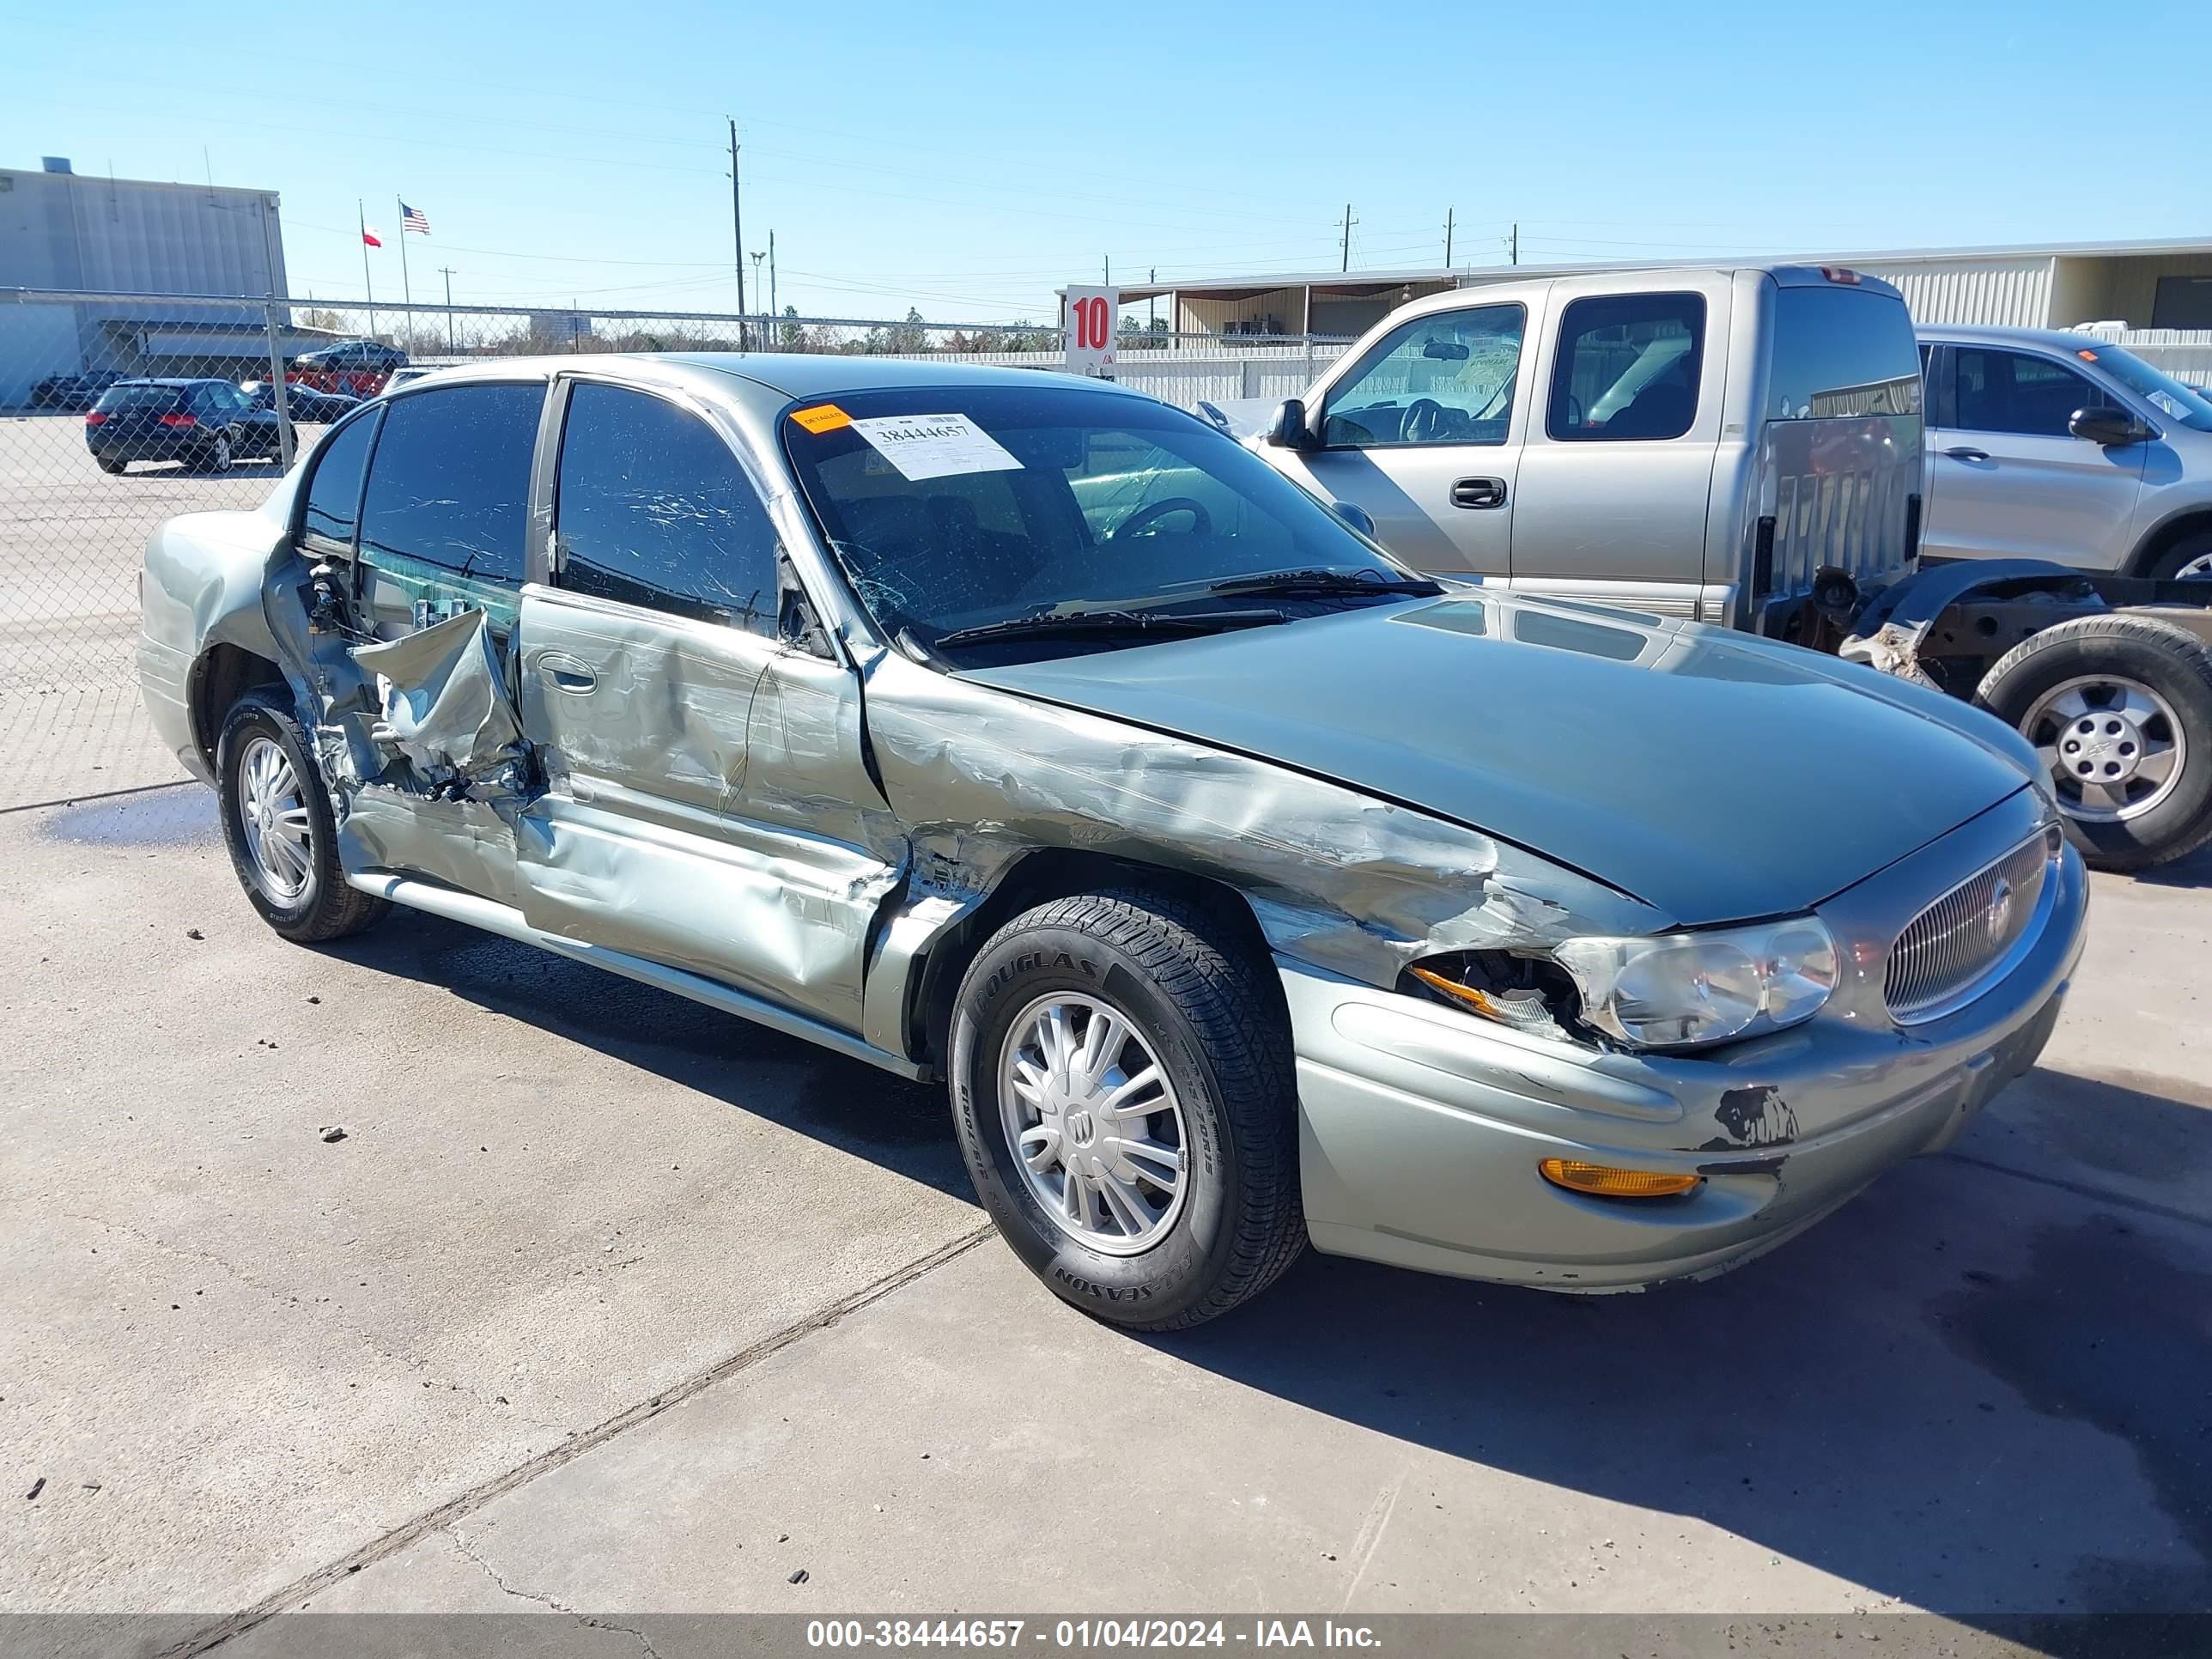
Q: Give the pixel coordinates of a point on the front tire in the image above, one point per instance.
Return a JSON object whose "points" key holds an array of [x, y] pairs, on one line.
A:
{"points": [[1123, 1094], [279, 825], [2119, 710]]}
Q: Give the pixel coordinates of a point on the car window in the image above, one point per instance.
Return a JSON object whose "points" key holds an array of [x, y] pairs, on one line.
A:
{"points": [[1841, 351], [137, 397], [1021, 499], [1628, 367], [334, 488], [449, 482], [653, 509], [1445, 378], [2014, 391]]}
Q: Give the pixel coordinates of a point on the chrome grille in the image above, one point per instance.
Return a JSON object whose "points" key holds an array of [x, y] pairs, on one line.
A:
{"points": [[1945, 952]]}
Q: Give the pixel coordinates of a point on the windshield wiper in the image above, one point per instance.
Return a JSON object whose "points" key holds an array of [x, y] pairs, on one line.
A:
{"points": [[1071, 622], [1324, 583]]}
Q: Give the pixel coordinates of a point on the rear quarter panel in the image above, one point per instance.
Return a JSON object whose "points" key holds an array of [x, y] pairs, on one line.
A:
{"points": [[201, 586]]}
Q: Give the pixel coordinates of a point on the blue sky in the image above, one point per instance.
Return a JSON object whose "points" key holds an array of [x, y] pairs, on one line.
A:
{"points": [[967, 159]]}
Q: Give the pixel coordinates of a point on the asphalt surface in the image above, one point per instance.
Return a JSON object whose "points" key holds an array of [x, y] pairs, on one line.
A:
{"points": [[606, 1302]]}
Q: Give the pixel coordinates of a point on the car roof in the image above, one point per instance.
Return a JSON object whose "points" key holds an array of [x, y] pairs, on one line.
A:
{"points": [[2057, 338], [790, 375], [172, 380]]}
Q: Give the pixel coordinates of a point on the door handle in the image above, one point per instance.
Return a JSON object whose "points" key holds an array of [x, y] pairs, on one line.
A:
{"points": [[566, 673], [1967, 452], [1479, 492]]}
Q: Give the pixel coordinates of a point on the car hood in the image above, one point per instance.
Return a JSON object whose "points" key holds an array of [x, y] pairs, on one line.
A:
{"points": [[1714, 775]]}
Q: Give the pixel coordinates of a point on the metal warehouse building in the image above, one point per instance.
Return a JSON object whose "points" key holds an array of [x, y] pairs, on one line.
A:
{"points": [[60, 230], [2163, 286]]}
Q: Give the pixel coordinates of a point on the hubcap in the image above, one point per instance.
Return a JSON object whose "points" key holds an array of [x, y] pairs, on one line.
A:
{"points": [[272, 810], [2114, 748], [1094, 1123], [2196, 569]]}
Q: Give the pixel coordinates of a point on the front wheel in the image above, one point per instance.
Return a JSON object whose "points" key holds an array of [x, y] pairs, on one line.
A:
{"points": [[277, 824], [1123, 1094], [2119, 710]]}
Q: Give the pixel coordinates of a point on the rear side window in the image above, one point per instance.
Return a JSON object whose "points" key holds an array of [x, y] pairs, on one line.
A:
{"points": [[654, 510], [334, 491], [2013, 392], [1627, 367], [1840, 352], [449, 483]]}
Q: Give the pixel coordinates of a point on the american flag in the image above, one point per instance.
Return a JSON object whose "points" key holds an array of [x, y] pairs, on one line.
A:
{"points": [[414, 219]]}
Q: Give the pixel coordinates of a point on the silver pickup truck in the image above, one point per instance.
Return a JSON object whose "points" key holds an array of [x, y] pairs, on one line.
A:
{"points": [[1745, 445]]}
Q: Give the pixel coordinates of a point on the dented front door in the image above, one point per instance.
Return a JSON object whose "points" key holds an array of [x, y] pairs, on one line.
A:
{"points": [[706, 806]]}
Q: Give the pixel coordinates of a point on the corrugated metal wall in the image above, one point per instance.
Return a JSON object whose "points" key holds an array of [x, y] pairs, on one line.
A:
{"points": [[1995, 293], [60, 230]]}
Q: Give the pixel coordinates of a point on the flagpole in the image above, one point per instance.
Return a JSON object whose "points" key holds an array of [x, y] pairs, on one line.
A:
{"points": [[368, 287], [406, 287]]}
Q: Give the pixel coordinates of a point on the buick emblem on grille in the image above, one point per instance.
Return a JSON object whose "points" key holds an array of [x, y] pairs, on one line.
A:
{"points": [[1999, 912]]}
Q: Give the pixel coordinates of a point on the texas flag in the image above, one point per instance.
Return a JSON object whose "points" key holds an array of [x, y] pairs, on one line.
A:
{"points": [[371, 237]]}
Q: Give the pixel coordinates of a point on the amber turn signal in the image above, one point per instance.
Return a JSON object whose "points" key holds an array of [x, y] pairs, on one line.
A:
{"points": [[1603, 1181]]}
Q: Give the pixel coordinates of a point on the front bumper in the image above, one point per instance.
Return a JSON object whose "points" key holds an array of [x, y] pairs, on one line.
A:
{"points": [[1421, 1128]]}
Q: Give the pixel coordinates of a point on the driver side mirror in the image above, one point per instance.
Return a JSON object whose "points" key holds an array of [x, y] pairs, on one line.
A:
{"points": [[2113, 428], [1355, 515], [1289, 429]]}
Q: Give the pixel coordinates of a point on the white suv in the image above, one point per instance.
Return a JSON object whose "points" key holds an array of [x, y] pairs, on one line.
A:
{"points": [[2047, 445]]}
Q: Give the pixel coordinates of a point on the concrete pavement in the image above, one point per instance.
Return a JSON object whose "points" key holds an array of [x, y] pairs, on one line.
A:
{"points": [[608, 1303]]}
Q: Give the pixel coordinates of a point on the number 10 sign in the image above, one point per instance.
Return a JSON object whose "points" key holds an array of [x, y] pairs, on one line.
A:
{"points": [[1091, 313]]}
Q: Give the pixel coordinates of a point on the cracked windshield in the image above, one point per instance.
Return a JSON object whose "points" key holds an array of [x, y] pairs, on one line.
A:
{"points": [[955, 509]]}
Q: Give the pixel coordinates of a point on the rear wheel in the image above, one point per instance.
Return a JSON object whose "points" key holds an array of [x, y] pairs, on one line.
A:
{"points": [[1122, 1094], [218, 454], [277, 824], [2119, 710]]}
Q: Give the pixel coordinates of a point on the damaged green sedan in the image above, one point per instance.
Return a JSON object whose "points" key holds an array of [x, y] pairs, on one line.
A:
{"points": [[1243, 886]]}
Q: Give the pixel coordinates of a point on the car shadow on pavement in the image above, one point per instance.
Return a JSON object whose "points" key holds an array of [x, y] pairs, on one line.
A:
{"points": [[2194, 870], [903, 1127], [1973, 1390]]}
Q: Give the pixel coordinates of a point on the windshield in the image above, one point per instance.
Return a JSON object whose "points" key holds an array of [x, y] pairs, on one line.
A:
{"points": [[2169, 396], [954, 508]]}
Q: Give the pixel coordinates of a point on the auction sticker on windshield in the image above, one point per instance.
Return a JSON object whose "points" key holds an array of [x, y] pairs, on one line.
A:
{"points": [[935, 446]]}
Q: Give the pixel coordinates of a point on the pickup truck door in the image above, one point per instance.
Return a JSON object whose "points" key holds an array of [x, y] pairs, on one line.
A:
{"points": [[1424, 432], [1616, 476], [2007, 479], [707, 805]]}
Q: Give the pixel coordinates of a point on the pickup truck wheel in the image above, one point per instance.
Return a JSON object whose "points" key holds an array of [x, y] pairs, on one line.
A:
{"points": [[1123, 1094], [2119, 710], [277, 824]]}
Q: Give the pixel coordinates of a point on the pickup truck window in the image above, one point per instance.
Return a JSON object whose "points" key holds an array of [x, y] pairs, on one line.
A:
{"points": [[1446, 378], [1628, 367], [2014, 392]]}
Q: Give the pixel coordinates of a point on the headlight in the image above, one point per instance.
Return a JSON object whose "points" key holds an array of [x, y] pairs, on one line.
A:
{"points": [[1687, 989]]}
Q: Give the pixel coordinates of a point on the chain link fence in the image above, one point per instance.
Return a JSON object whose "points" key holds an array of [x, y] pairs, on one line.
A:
{"points": [[92, 459]]}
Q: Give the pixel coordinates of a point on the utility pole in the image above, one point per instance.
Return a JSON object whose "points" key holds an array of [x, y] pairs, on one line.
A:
{"points": [[446, 271], [738, 230], [1152, 305], [1447, 236], [771, 285], [760, 293], [1517, 242], [1348, 222], [1106, 271]]}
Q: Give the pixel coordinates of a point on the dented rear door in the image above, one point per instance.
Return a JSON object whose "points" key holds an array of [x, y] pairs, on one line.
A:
{"points": [[706, 804]]}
